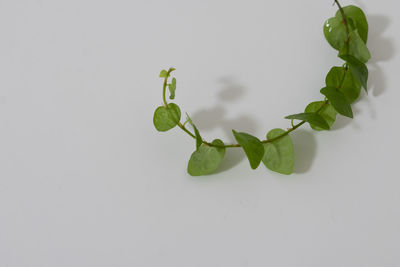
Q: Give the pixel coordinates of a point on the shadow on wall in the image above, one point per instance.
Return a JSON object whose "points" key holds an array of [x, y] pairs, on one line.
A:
{"points": [[305, 148], [382, 49], [216, 117]]}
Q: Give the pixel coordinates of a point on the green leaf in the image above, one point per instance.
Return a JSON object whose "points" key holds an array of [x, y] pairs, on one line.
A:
{"points": [[355, 48], [312, 118], [163, 74], [253, 148], [279, 154], [172, 88], [358, 18], [345, 81], [358, 68], [206, 159], [335, 32], [327, 112], [166, 118], [338, 101], [199, 140]]}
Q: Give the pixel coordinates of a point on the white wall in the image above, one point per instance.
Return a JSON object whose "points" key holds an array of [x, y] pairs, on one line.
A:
{"points": [[86, 180]]}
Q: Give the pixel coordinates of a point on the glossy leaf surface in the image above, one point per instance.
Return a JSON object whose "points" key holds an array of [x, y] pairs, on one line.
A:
{"points": [[358, 18]]}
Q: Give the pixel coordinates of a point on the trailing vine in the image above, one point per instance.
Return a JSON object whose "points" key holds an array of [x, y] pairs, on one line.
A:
{"points": [[347, 32]]}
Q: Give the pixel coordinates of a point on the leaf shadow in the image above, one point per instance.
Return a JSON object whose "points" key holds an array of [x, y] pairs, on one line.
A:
{"points": [[382, 49], [216, 117], [305, 149], [231, 90], [232, 158]]}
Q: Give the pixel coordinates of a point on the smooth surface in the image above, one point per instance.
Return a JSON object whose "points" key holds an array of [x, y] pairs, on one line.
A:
{"points": [[86, 180]]}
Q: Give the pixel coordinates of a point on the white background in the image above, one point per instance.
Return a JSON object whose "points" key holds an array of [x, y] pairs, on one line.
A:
{"points": [[86, 180]]}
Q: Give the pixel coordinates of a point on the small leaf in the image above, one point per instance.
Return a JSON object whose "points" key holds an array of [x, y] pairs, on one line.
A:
{"points": [[253, 148], [312, 118], [358, 68], [358, 18], [165, 119], [206, 159], [338, 101], [199, 140], [188, 119], [163, 74], [172, 88], [355, 48], [279, 154], [327, 112], [345, 81]]}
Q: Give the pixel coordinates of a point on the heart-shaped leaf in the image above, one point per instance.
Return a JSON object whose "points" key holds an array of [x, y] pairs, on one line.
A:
{"points": [[206, 159], [345, 81], [338, 101], [335, 32], [358, 18], [165, 118], [252, 146], [335, 29], [327, 112], [279, 153]]}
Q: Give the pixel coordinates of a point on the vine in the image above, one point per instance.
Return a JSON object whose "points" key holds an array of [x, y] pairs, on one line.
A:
{"points": [[347, 32]]}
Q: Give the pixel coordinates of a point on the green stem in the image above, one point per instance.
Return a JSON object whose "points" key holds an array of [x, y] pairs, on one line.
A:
{"points": [[165, 84], [165, 87], [294, 127], [186, 130], [345, 22]]}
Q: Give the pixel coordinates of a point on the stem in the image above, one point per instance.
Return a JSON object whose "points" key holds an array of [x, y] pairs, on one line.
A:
{"points": [[186, 130], [345, 22], [165, 87], [166, 103], [294, 127]]}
